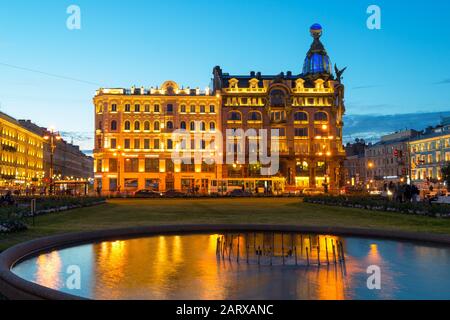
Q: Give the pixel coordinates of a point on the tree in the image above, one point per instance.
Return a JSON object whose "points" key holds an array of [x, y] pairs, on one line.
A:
{"points": [[446, 175]]}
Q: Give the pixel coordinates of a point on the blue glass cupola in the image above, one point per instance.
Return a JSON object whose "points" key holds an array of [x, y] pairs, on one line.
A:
{"points": [[317, 62]]}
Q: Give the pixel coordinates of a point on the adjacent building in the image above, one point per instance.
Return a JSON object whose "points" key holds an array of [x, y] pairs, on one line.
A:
{"points": [[21, 155], [388, 160], [355, 163], [134, 142], [69, 162], [430, 152], [134, 138]]}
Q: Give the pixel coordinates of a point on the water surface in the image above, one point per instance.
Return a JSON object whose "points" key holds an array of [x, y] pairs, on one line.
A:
{"points": [[270, 266]]}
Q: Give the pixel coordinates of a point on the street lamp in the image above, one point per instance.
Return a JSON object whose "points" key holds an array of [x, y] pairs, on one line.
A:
{"points": [[52, 137]]}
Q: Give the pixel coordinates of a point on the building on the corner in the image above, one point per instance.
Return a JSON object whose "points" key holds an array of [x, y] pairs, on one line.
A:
{"points": [[69, 162], [306, 108], [21, 155], [134, 138], [430, 152], [355, 163], [388, 160]]}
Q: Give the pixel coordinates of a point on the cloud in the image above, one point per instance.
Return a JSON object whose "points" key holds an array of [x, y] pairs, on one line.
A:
{"points": [[372, 127], [366, 87], [445, 81]]}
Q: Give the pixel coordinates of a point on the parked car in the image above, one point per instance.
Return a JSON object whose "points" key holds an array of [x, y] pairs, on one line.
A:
{"points": [[240, 193], [147, 194], [174, 194], [312, 192]]}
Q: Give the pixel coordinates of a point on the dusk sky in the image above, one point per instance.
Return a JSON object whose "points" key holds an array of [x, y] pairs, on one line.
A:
{"points": [[402, 68]]}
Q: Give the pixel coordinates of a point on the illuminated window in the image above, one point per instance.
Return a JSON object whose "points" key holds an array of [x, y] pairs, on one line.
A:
{"points": [[127, 126], [137, 126], [301, 116], [113, 125], [254, 116], [147, 126], [320, 116]]}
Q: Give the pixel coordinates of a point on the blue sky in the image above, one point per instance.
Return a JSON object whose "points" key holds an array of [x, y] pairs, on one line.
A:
{"points": [[402, 68]]}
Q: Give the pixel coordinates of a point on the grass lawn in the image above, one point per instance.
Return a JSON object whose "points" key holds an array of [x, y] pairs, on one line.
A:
{"points": [[288, 211]]}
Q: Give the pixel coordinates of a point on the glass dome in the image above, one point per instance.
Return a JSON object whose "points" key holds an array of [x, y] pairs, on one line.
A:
{"points": [[317, 60]]}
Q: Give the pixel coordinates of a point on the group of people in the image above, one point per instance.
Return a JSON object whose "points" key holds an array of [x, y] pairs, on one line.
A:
{"points": [[402, 192], [7, 199]]}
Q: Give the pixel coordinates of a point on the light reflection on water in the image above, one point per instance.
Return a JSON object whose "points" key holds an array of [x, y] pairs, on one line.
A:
{"points": [[187, 267]]}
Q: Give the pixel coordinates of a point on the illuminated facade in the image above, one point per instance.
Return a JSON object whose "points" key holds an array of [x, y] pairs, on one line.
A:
{"points": [[134, 131], [307, 111], [134, 138], [429, 153], [21, 155]]}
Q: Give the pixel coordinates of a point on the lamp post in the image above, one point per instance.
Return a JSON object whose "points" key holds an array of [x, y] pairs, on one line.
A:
{"points": [[52, 137]]}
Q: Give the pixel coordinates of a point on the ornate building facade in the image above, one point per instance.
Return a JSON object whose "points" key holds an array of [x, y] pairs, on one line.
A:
{"points": [[135, 138], [134, 131], [21, 155], [307, 111]]}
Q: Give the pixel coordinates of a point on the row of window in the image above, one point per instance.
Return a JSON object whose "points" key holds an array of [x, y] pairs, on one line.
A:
{"points": [[278, 115], [169, 108], [157, 144], [152, 166], [137, 126]]}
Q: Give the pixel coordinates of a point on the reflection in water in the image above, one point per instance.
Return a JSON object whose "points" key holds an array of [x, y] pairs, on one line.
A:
{"points": [[49, 265], [245, 266]]}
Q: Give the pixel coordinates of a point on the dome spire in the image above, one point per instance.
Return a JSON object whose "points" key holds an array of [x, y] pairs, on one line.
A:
{"points": [[317, 63]]}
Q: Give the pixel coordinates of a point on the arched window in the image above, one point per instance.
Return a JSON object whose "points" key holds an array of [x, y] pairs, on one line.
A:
{"points": [[156, 126], [169, 125], [203, 126], [137, 126], [320, 116], [254, 116], [127, 126], [113, 125], [192, 126], [234, 116], [212, 126], [300, 116], [147, 126], [183, 125]]}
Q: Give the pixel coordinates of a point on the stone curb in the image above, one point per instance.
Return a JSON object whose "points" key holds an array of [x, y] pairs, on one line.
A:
{"points": [[14, 287]]}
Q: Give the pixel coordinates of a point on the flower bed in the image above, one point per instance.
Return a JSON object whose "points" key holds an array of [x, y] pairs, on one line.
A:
{"points": [[12, 217], [382, 204]]}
